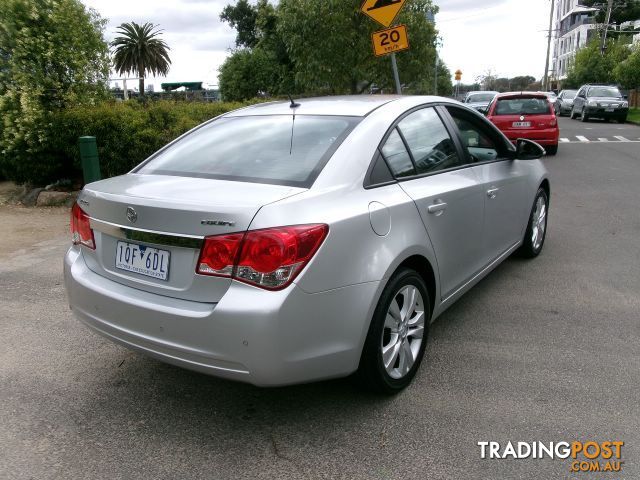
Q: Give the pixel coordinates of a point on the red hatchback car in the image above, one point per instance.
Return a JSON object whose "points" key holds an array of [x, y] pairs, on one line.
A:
{"points": [[526, 115]]}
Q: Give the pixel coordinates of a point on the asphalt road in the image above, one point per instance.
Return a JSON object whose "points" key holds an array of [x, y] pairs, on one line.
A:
{"points": [[543, 350]]}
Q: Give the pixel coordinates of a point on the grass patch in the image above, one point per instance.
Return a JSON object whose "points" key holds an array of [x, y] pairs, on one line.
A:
{"points": [[634, 115]]}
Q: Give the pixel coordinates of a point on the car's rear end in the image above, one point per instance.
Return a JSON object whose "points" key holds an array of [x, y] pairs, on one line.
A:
{"points": [[527, 115], [165, 259]]}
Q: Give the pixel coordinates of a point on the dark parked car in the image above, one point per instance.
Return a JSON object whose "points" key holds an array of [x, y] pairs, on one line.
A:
{"points": [[600, 101], [564, 102]]}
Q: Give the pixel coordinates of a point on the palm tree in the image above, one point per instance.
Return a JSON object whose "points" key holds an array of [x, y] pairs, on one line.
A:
{"points": [[138, 50]]}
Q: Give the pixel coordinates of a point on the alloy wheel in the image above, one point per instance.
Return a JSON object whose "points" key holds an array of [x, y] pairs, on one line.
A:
{"points": [[403, 331], [539, 223]]}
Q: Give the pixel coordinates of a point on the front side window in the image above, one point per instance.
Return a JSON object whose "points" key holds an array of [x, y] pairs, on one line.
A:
{"points": [[429, 142], [275, 149], [475, 138]]}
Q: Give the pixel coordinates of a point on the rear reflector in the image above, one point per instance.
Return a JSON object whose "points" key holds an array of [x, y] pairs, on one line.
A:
{"points": [[269, 258], [81, 233]]}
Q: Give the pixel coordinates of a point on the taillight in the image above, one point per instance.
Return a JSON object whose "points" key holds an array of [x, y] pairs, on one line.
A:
{"points": [[269, 258], [81, 233], [219, 254]]}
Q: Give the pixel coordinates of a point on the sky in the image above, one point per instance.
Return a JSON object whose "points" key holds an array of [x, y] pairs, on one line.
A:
{"points": [[506, 37]]}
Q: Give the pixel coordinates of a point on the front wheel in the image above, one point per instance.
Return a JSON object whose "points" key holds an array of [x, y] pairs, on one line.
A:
{"points": [[551, 149], [584, 117], [397, 336], [572, 114], [622, 119], [537, 226]]}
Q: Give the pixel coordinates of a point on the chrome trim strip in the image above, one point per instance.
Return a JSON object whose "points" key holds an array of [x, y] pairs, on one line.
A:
{"points": [[146, 236]]}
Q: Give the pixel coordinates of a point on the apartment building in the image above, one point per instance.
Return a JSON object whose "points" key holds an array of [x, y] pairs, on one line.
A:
{"points": [[574, 26]]}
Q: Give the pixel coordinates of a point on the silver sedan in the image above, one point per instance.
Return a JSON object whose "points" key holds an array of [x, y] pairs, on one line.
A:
{"points": [[294, 242]]}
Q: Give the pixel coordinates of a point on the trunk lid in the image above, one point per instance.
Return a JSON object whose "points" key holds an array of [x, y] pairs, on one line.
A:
{"points": [[170, 214]]}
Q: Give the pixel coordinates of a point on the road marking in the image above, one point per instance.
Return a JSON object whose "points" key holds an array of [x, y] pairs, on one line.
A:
{"points": [[603, 139], [564, 139], [622, 139], [581, 138]]}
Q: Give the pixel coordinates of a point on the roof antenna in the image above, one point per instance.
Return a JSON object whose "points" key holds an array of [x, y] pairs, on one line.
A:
{"points": [[293, 104]]}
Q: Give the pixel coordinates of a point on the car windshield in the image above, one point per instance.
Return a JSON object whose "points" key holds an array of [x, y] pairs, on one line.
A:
{"points": [[604, 92], [569, 94], [480, 97], [272, 149], [522, 106]]}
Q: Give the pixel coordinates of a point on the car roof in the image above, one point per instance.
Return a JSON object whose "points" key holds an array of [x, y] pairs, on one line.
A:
{"points": [[348, 105], [352, 106], [481, 91]]}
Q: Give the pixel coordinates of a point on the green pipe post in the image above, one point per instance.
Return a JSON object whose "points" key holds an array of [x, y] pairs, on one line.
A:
{"points": [[89, 159]]}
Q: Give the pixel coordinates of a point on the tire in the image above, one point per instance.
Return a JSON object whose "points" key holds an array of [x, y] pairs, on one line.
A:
{"points": [[572, 114], [403, 336], [551, 149], [584, 117], [622, 119], [533, 243]]}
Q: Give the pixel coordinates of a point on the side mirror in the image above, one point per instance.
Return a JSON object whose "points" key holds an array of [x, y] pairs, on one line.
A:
{"points": [[528, 150]]}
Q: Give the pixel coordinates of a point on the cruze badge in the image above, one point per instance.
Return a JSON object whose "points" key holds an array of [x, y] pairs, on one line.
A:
{"points": [[219, 223], [132, 216]]}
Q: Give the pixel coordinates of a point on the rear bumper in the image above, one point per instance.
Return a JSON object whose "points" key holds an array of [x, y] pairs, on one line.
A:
{"points": [[544, 137], [251, 335]]}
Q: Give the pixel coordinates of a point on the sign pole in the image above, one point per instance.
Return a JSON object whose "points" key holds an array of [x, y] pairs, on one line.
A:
{"points": [[396, 76]]}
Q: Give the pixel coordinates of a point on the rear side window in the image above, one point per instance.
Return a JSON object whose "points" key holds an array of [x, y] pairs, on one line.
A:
{"points": [[523, 106], [396, 155], [429, 142], [264, 149]]}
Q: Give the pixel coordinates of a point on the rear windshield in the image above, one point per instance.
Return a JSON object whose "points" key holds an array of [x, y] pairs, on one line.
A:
{"points": [[604, 92], [480, 97], [523, 106], [272, 149]]}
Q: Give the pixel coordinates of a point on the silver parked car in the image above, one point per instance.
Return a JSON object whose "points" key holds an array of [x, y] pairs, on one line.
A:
{"points": [[286, 243], [564, 102]]}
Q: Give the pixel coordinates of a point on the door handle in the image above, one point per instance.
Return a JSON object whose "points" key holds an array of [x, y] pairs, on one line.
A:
{"points": [[493, 192], [437, 208]]}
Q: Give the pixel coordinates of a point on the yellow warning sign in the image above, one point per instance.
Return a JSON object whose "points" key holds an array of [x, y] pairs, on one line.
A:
{"points": [[390, 40], [382, 11]]}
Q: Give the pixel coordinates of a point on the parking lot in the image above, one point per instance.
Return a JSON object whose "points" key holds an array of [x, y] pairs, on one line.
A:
{"points": [[543, 350]]}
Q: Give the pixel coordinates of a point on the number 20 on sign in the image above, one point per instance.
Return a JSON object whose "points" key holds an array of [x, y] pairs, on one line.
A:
{"points": [[390, 40]]}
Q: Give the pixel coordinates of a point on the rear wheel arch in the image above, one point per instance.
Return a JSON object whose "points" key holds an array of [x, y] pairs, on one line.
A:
{"points": [[424, 268]]}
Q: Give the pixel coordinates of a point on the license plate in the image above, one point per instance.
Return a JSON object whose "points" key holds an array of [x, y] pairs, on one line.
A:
{"points": [[148, 261], [609, 109], [521, 124]]}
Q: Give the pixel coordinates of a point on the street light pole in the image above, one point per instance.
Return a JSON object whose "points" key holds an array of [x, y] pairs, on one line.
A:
{"points": [[603, 46], [545, 82]]}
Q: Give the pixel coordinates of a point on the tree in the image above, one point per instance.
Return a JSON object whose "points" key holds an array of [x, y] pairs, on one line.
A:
{"points": [[622, 11], [330, 45], [52, 55], [138, 50], [261, 65], [325, 47], [590, 66], [628, 71]]}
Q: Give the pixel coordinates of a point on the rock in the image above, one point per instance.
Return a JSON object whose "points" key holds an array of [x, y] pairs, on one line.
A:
{"points": [[52, 199], [30, 199]]}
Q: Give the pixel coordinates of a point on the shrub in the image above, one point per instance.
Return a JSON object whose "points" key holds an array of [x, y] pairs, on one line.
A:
{"points": [[126, 133]]}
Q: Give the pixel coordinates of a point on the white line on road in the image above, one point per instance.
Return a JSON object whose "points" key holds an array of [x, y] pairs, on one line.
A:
{"points": [[564, 139], [603, 139], [622, 139], [581, 138]]}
